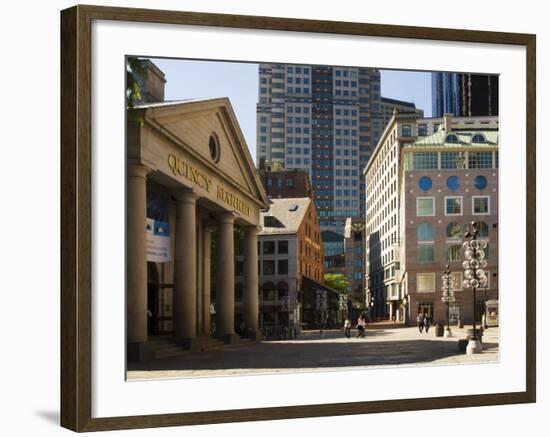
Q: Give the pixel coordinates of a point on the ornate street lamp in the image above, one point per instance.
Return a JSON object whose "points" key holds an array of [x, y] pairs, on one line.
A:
{"points": [[448, 296], [473, 265]]}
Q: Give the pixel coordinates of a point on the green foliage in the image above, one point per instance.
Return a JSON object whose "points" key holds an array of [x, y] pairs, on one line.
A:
{"points": [[337, 281], [134, 72]]}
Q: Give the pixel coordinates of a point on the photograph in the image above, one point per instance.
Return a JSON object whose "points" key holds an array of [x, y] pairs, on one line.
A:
{"points": [[287, 217]]}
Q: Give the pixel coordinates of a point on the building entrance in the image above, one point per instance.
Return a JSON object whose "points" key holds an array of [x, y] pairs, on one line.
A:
{"points": [[153, 298], [426, 309]]}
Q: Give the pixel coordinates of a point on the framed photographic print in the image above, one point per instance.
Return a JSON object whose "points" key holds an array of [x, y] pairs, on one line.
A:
{"points": [[268, 218]]}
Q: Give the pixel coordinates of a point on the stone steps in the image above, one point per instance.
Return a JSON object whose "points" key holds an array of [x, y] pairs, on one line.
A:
{"points": [[166, 347]]}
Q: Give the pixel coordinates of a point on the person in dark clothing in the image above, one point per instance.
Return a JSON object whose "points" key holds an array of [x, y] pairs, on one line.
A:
{"points": [[426, 323], [420, 322]]}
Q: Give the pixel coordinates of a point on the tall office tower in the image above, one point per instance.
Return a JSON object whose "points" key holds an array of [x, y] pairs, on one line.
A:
{"points": [[327, 121], [464, 94], [445, 94]]}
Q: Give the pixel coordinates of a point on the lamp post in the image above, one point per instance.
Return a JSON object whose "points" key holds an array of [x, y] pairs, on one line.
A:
{"points": [[473, 265], [448, 296]]}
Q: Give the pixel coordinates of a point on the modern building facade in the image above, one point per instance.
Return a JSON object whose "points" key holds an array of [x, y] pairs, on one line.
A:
{"points": [[464, 94], [189, 176], [412, 229], [327, 121]]}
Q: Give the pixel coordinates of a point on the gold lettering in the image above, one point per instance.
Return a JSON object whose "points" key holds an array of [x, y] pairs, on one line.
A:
{"points": [[232, 200], [173, 163]]}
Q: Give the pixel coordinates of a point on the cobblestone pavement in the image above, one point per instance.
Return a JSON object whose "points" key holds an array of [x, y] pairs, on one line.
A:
{"points": [[313, 351]]}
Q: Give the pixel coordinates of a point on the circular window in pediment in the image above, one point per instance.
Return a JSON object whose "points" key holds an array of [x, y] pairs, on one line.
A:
{"points": [[214, 147]]}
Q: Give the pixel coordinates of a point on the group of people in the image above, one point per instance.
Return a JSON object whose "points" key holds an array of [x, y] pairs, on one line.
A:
{"points": [[360, 327], [423, 322]]}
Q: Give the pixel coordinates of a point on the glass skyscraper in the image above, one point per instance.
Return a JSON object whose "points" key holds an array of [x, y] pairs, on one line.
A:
{"points": [[464, 94], [445, 94]]}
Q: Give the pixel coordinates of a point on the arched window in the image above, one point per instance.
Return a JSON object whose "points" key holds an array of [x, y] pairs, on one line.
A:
{"points": [[453, 231], [478, 138], [452, 139], [425, 232]]}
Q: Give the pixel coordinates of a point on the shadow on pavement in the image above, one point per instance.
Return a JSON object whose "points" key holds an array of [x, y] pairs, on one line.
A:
{"points": [[297, 354]]}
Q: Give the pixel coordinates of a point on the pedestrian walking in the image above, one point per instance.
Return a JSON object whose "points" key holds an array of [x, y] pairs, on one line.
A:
{"points": [[426, 323], [420, 322], [347, 328], [360, 327]]}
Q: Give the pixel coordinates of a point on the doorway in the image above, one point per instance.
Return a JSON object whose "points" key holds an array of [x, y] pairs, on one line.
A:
{"points": [[153, 299], [426, 309]]}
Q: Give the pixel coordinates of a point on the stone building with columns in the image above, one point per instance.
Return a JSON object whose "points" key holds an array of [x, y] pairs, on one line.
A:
{"points": [[193, 155]]}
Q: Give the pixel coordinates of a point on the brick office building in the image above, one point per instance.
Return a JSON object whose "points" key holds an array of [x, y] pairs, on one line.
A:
{"points": [[285, 184], [427, 180], [448, 180], [289, 250]]}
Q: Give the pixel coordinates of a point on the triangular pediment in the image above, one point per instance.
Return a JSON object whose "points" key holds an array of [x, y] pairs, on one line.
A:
{"points": [[191, 124]]}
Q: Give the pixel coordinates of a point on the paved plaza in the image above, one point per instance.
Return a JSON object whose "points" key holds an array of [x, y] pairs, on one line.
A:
{"points": [[313, 351]]}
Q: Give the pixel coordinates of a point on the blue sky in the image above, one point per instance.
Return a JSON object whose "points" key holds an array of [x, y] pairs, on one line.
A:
{"points": [[239, 81]]}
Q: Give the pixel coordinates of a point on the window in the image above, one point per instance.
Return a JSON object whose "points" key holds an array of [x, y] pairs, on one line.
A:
{"points": [[406, 130], [269, 248], [480, 159], [268, 292], [425, 183], [422, 130], [425, 282], [282, 247], [452, 160], [478, 138], [454, 252], [425, 252], [453, 205], [480, 182], [238, 268], [282, 267], [456, 281], [452, 139], [289, 182], [425, 206], [424, 160], [453, 231], [269, 267], [483, 230], [425, 232], [453, 183], [480, 205]]}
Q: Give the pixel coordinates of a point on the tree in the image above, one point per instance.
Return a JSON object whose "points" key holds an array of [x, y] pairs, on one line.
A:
{"points": [[135, 72], [338, 281]]}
